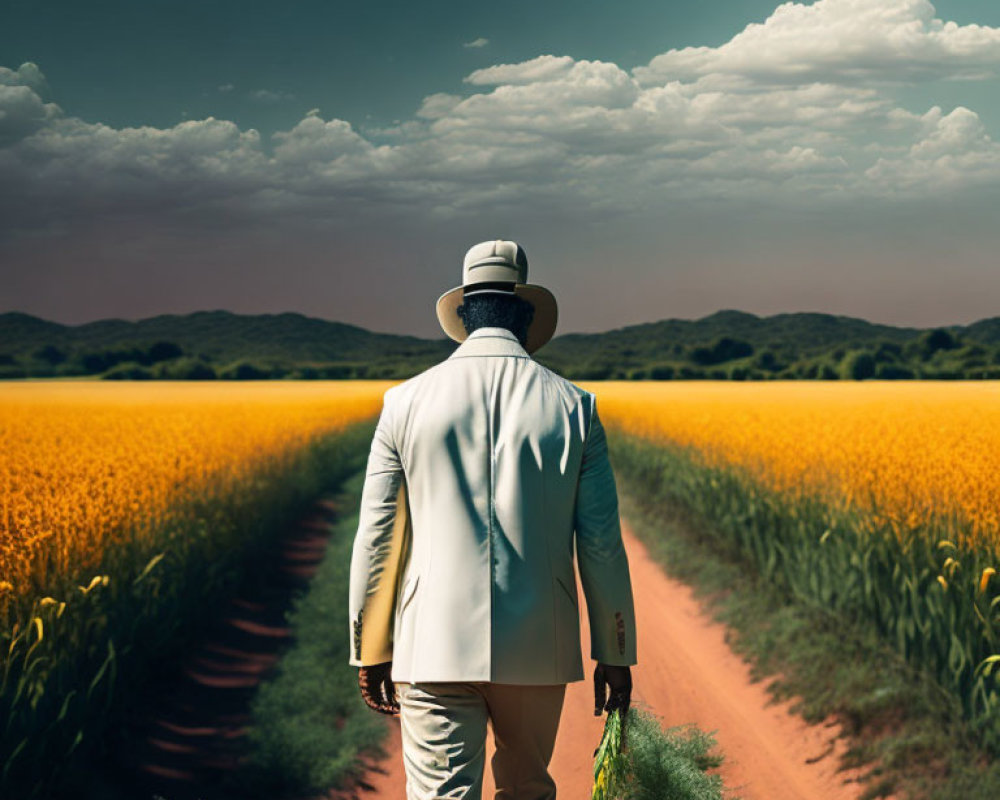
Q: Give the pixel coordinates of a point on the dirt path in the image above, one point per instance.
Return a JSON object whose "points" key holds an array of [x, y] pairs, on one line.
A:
{"points": [[686, 673]]}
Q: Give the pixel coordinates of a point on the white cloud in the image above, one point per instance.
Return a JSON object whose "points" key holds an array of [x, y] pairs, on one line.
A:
{"points": [[555, 132], [226, 87], [841, 40], [22, 112], [438, 105], [543, 68], [953, 153], [314, 141], [476, 44], [28, 74]]}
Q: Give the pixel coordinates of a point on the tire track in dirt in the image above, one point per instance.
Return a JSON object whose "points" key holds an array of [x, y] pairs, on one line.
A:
{"points": [[188, 732]]}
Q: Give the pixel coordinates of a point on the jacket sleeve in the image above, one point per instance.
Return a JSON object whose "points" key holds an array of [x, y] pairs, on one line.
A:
{"points": [[604, 570], [380, 547]]}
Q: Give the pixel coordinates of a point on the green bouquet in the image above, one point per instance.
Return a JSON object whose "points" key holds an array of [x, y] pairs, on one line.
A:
{"points": [[610, 762]]}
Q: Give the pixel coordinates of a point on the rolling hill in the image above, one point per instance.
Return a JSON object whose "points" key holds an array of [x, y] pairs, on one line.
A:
{"points": [[726, 344]]}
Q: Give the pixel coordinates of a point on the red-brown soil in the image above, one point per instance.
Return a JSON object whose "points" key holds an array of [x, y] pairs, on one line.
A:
{"points": [[686, 674]]}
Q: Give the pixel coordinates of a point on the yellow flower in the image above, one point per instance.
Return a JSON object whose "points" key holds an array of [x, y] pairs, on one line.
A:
{"points": [[85, 464], [912, 455]]}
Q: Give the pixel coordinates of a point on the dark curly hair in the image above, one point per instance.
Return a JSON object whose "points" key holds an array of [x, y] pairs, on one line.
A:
{"points": [[495, 310]]}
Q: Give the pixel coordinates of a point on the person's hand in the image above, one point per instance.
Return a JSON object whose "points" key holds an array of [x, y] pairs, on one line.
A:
{"points": [[377, 688], [612, 689], [615, 684]]}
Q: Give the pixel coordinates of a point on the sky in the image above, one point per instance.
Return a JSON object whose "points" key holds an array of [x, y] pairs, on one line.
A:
{"points": [[654, 158]]}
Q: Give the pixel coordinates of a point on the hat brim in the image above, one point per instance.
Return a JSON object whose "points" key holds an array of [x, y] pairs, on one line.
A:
{"points": [[543, 322]]}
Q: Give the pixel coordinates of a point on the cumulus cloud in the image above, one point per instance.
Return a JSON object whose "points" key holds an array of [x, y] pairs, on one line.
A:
{"points": [[784, 120], [438, 105], [476, 44], [953, 153], [543, 68], [22, 110], [852, 40], [314, 141], [28, 74]]}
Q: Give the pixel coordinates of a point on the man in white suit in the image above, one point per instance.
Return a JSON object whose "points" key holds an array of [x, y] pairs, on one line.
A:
{"points": [[486, 471]]}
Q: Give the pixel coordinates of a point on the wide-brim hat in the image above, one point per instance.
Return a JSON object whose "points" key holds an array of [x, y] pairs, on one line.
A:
{"points": [[502, 267]]}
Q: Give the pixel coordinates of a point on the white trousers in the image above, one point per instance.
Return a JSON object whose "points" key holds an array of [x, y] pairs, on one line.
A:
{"points": [[444, 739]]}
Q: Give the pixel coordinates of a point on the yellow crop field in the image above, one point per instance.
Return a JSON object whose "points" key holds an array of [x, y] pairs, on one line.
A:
{"points": [[85, 462], [903, 538], [912, 452]]}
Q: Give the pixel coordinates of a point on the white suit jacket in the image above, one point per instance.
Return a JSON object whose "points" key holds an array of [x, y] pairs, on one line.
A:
{"points": [[484, 472]]}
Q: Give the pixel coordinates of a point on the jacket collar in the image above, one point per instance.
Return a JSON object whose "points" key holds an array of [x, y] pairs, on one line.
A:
{"points": [[490, 342]]}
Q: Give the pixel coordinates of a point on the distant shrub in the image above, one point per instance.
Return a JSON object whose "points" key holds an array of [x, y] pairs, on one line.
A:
{"points": [[930, 342], [127, 372], [859, 366], [892, 372], [593, 372], [50, 354], [768, 360], [690, 373], [381, 372], [337, 371], [100, 361], [942, 374], [887, 352], [244, 371], [71, 368], [185, 369], [664, 372], [721, 350], [13, 371], [163, 351]]}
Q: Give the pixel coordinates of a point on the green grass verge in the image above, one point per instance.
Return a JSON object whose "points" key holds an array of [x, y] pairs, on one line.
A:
{"points": [[912, 736], [68, 679], [310, 726]]}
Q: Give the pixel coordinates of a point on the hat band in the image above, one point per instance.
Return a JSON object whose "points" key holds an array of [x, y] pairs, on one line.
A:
{"points": [[507, 287]]}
